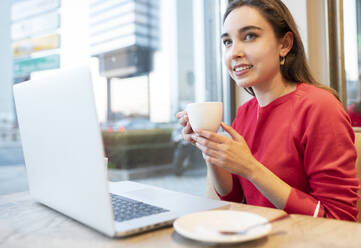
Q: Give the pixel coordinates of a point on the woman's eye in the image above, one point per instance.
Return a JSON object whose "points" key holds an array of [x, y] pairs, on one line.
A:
{"points": [[250, 36], [227, 43]]}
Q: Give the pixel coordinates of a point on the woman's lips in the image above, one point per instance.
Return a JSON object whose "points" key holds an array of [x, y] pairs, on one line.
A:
{"points": [[241, 70]]}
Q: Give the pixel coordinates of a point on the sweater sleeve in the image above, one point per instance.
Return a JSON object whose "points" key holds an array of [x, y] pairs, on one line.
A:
{"points": [[327, 145]]}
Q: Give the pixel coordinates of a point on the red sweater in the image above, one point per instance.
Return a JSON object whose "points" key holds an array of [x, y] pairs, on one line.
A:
{"points": [[306, 139]]}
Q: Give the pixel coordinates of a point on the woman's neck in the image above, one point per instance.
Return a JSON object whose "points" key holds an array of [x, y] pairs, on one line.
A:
{"points": [[269, 91]]}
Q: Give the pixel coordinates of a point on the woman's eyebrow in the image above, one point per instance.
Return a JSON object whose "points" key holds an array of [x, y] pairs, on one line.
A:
{"points": [[224, 35], [242, 30], [246, 28]]}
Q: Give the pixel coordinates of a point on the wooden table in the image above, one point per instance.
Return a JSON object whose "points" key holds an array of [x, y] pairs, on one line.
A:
{"points": [[25, 223]]}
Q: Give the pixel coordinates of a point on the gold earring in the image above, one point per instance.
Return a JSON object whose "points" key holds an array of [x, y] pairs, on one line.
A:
{"points": [[283, 60]]}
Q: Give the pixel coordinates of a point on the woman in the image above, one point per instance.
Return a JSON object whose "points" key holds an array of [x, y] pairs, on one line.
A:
{"points": [[291, 146]]}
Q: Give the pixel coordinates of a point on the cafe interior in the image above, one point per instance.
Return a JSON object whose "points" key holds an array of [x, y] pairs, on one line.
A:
{"points": [[94, 147]]}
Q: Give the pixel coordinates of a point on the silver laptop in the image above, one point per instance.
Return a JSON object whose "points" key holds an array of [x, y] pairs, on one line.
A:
{"points": [[65, 164]]}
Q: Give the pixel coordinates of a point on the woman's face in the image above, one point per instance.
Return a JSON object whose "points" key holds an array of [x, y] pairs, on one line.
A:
{"points": [[252, 50]]}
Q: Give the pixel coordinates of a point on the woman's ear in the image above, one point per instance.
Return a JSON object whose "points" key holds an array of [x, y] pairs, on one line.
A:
{"points": [[286, 44]]}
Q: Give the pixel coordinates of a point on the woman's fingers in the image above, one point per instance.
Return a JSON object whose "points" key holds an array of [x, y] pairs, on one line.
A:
{"points": [[209, 151], [204, 142], [217, 138], [187, 129], [234, 134], [187, 133], [213, 161], [180, 114], [182, 118]]}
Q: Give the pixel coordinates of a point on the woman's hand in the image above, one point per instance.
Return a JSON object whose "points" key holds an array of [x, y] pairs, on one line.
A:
{"points": [[218, 177], [232, 154], [187, 130]]}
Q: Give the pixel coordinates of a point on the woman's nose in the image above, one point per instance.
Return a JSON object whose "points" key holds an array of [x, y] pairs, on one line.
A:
{"points": [[237, 50]]}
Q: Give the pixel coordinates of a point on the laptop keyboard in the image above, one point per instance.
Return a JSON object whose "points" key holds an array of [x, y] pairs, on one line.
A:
{"points": [[127, 209]]}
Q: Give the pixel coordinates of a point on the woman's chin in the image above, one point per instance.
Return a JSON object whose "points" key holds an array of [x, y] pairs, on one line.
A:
{"points": [[244, 84]]}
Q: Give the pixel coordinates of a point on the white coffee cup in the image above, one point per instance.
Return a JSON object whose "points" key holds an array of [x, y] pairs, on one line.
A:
{"points": [[205, 115]]}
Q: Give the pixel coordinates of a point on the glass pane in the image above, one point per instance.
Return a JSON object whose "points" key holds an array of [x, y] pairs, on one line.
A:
{"points": [[352, 37], [146, 67]]}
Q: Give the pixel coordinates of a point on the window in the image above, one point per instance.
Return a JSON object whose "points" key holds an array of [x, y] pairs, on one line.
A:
{"points": [[352, 37], [149, 60]]}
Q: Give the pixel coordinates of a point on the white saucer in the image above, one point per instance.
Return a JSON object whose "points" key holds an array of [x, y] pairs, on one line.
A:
{"points": [[205, 226]]}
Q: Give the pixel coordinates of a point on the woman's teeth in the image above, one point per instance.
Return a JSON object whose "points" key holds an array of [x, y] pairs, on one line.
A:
{"points": [[241, 68]]}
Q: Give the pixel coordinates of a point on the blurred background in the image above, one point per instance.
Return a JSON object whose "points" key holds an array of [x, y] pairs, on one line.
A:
{"points": [[149, 59]]}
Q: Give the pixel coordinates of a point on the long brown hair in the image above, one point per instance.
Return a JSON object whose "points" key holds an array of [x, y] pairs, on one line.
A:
{"points": [[295, 68]]}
